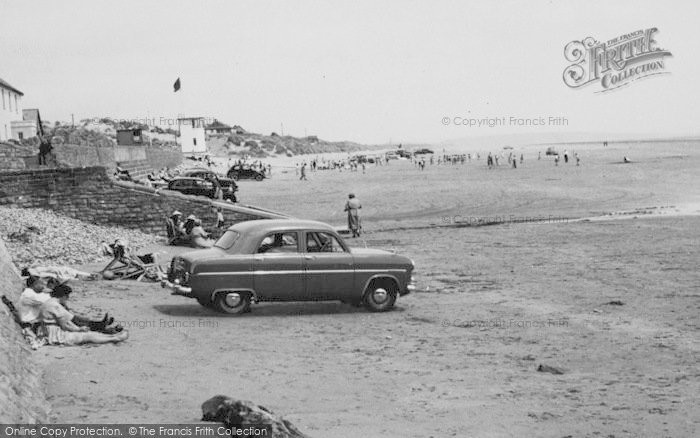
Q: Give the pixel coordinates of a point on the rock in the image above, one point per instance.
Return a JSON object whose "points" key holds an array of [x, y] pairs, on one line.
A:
{"points": [[615, 303], [549, 369], [239, 413]]}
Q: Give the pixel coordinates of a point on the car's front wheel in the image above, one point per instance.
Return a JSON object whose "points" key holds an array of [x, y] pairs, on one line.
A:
{"points": [[233, 303], [258, 177], [235, 177], [380, 296]]}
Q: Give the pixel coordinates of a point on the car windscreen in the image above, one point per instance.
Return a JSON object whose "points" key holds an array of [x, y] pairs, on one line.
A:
{"points": [[227, 240]]}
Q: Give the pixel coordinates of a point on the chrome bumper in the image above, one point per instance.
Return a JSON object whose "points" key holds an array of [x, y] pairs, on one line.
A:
{"points": [[410, 287], [176, 288]]}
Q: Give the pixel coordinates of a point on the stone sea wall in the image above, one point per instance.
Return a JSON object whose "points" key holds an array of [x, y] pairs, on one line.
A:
{"points": [[88, 194]]}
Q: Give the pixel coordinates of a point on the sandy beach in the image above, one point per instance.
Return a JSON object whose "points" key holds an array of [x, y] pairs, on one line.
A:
{"points": [[611, 304]]}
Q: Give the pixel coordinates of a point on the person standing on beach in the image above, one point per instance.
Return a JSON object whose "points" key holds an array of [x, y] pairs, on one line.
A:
{"points": [[303, 172], [352, 207]]}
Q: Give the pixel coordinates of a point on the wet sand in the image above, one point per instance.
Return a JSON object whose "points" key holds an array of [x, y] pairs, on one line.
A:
{"points": [[613, 304]]}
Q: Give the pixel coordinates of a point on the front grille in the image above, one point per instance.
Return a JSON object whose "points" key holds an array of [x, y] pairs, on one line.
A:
{"points": [[177, 271]]}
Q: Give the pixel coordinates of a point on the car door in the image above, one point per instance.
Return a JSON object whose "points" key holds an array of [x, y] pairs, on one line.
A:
{"points": [[329, 267], [186, 186], [278, 271]]}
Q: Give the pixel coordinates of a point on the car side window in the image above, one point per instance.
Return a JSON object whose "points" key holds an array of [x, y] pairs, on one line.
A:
{"points": [[319, 241], [285, 242]]}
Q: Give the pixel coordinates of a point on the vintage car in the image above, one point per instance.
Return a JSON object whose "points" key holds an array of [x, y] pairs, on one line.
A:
{"points": [[190, 185], [237, 172], [228, 185], [288, 260]]}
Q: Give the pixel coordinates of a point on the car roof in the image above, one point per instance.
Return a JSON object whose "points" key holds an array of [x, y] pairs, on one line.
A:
{"points": [[196, 169], [179, 178], [272, 225]]}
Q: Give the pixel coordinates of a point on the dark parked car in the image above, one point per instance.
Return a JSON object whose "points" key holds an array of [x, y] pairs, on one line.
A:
{"points": [[208, 175], [244, 172], [423, 151], [288, 260], [193, 186]]}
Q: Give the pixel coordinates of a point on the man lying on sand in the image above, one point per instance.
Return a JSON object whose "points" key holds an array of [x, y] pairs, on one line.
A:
{"points": [[60, 274]]}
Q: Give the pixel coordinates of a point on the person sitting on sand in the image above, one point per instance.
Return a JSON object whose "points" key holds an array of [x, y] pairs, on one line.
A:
{"points": [[198, 237], [188, 226], [175, 229], [30, 300], [57, 325], [38, 292]]}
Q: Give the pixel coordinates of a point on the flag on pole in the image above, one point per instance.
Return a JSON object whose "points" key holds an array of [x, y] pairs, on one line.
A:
{"points": [[176, 85]]}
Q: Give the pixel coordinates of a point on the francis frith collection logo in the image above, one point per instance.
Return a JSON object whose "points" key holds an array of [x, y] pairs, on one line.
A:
{"points": [[616, 62]]}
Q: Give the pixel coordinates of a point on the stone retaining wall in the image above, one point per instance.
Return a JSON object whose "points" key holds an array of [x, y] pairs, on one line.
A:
{"points": [[22, 398], [88, 194], [14, 157]]}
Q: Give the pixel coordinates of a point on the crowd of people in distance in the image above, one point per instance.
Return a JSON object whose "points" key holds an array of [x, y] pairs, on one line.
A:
{"points": [[45, 317], [350, 164], [189, 232]]}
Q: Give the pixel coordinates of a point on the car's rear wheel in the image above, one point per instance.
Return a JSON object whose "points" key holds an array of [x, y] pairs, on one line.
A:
{"points": [[235, 177], [380, 295], [233, 303], [258, 177]]}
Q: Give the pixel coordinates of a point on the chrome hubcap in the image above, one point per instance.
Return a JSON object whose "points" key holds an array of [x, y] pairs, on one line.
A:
{"points": [[380, 295], [232, 299]]}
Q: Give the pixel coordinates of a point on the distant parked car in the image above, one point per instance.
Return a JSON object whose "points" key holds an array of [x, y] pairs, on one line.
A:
{"points": [[288, 260], [391, 156], [208, 175], [193, 186], [423, 151], [551, 151], [244, 172]]}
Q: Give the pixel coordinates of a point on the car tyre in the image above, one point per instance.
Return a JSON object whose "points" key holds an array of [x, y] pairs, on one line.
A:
{"points": [[225, 302], [235, 177], [258, 177], [380, 295]]}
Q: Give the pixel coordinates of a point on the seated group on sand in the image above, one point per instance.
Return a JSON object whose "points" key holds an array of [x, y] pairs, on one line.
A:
{"points": [[45, 318], [188, 232]]}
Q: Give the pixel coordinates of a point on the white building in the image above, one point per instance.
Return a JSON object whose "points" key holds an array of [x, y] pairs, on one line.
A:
{"points": [[192, 138], [11, 109]]}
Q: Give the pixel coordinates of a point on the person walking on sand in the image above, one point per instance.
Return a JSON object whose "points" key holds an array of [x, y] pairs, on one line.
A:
{"points": [[352, 207], [303, 172]]}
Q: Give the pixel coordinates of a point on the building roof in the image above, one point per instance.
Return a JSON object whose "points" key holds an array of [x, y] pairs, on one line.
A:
{"points": [[10, 87]]}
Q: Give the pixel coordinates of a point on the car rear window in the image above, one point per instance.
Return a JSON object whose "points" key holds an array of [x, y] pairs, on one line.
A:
{"points": [[227, 240]]}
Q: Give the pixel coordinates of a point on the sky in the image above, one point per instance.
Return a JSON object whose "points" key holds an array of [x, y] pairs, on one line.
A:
{"points": [[366, 71]]}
